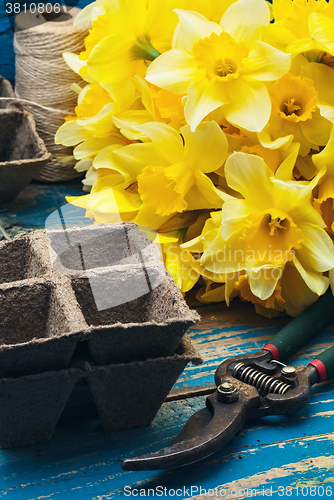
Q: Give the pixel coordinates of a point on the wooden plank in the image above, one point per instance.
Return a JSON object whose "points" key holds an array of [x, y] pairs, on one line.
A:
{"points": [[83, 462]]}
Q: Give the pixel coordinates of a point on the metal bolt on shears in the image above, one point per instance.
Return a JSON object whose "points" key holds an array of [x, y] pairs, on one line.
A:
{"points": [[250, 386]]}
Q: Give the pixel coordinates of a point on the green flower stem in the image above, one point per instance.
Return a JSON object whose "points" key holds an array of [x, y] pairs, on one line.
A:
{"points": [[143, 49]]}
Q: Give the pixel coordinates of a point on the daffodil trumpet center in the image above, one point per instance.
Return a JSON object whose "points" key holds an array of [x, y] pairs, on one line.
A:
{"points": [[291, 107], [144, 50], [319, 56], [220, 56], [293, 98], [224, 67], [276, 225], [270, 238], [242, 285], [328, 59]]}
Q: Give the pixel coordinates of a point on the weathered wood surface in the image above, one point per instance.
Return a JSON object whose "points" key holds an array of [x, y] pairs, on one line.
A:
{"points": [[83, 462]]}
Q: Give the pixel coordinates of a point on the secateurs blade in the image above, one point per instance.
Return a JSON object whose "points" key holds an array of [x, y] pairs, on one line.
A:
{"points": [[250, 386]]}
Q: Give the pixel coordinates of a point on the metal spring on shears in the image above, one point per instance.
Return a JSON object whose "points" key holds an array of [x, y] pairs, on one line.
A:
{"points": [[263, 383]]}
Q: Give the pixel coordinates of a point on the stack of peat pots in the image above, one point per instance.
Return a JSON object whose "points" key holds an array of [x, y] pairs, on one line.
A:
{"points": [[91, 304]]}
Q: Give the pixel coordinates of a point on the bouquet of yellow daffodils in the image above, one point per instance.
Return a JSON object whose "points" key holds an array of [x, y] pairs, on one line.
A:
{"points": [[211, 121]]}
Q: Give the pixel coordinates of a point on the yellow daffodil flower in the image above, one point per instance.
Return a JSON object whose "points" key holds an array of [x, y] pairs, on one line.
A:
{"points": [[93, 131], [304, 26], [135, 32], [291, 294], [157, 105], [295, 113], [222, 65], [171, 169], [176, 180], [274, 224]]}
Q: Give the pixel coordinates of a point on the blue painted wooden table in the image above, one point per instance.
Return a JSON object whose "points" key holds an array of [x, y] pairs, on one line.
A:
{"points": [[277, 457]]}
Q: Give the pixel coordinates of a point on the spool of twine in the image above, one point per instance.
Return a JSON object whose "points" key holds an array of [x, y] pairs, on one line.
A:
{"points": [[43, 79]]}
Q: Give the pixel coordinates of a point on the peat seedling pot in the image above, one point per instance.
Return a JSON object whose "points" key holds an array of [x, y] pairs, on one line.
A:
{"points": [[22, 151]]}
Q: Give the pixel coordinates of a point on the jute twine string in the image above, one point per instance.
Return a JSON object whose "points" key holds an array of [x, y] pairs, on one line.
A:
{"points": [[43, 79]]}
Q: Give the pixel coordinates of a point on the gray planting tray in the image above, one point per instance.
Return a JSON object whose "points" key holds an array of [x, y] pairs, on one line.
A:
{"points": [[22, 151], [126, 395], [103, 287], [6, 91]]}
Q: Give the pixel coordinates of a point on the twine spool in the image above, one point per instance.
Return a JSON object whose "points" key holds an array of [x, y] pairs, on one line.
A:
{"points": [[43, 79]]}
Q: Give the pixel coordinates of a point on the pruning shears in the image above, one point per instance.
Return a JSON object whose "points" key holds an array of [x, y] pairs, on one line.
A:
{"points": [[250, 386]]}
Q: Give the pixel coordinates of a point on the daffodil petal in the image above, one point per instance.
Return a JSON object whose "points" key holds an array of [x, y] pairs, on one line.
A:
{"points": [[321, 28], [161, 22], [147, 217], [315, 281], [249, 105], [206, 148], [135, 157], [174, 71], [127, 16], [194, 27], [326, 157], [304, 211], [300, 46], [73, 62], [178, 263], [203, 194], [203, 97], [321, 76], [101, 124], [89, 13], [221, 257], [263, 281], [244, 19], [166, 139], [235, 212], [295, 292], [287, 196], [92, 146], [285, 170], [317, 130], [110, 60], [265, 63], [83, 165], [266, 141], [214, 295], [133, 118], [245, 173], [317, 248], [70, 134], [114, 201], [106, 159]]}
